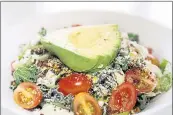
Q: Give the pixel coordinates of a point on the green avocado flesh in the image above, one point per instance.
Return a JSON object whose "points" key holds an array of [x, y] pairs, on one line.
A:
{"points": [[85, 48]]}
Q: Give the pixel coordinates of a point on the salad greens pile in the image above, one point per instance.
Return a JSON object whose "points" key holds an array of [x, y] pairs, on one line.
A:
{"points": [[56, 84]]}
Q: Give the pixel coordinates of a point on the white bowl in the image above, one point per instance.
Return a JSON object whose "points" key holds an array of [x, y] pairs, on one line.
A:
{"points": [[150, 33]]}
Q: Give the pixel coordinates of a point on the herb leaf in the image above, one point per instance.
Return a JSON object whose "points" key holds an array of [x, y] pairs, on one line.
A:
{"points": [[42, 32], [25, 73], [133, 37]]}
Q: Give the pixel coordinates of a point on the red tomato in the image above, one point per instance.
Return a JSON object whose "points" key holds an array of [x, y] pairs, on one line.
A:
{"points": [[12, 68], [123, 99], [85, 104], [27, 95], [144, 80], [150, 50], [74, 84], [153, 60], [76, 25]]}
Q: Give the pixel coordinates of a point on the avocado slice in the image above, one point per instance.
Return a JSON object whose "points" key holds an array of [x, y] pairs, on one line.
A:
{"points": [[106, 60], [84, 48], [69, 58]]}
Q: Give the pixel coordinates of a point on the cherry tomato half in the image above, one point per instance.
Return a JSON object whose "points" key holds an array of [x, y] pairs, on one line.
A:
{"points": [[74, 84], [85, 104], [27, 95], [123, 99], [144, 80]]}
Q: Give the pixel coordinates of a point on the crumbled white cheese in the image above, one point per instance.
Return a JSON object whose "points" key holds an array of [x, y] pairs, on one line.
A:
{"points": [[101, 103], [120, 77], [141, 49], [49, 80]]}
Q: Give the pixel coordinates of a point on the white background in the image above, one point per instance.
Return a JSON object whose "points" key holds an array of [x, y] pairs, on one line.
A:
{"points": [[161, 12], [15, 13]]}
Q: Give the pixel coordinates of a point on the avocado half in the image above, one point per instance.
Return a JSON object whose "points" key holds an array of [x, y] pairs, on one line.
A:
{"points": [[84, 48]]}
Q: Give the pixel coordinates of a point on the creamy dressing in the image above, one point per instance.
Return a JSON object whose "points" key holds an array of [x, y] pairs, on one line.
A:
{"points": [[49, 109]]}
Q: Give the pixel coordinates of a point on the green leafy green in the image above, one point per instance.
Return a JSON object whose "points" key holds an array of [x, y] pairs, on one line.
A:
{"points": [[133, 37], [42, 32], [25, 73], [163, 64], [165, 82]]}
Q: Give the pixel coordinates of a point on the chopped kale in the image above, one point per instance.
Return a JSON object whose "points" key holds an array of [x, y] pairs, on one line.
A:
{"points": [[42, 32], [25, 73], [133, 37]]}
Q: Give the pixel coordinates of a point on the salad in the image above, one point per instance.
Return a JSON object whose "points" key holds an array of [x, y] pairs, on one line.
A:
{"points": [[88, 70]]}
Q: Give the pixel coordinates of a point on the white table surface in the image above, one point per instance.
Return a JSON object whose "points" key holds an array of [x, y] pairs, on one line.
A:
{"points": [[14, 13]]}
